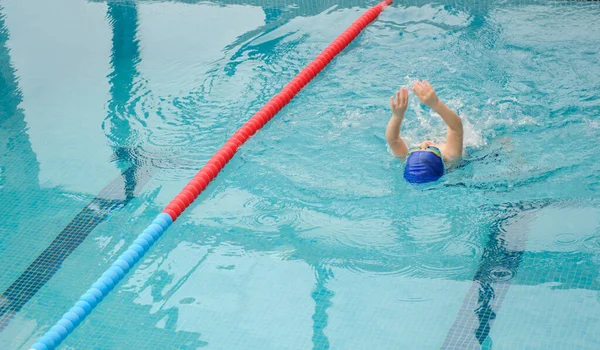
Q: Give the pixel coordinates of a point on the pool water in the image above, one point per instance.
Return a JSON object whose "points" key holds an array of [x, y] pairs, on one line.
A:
{"points": [[309, 238]]}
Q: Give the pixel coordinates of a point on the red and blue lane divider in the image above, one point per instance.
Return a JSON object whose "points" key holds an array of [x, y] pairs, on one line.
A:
{"points": [[125, 262]]}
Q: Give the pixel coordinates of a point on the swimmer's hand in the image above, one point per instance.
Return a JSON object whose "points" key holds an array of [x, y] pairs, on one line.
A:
{"points": [[400, 103], [425, 93]]}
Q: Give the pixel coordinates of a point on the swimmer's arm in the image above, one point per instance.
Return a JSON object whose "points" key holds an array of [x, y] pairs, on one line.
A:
{"points": [[395, 141], [392, 132], [454, 136]]}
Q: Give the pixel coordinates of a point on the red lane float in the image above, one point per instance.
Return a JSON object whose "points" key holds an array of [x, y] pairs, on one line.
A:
{"points": [[216, 163]]}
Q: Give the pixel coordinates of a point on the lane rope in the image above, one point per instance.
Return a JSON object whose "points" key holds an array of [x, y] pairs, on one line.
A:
{"points": [[114, 274]]}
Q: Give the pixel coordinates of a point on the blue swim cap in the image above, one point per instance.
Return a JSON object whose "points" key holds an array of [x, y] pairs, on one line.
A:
{"points": [[423, 166]]}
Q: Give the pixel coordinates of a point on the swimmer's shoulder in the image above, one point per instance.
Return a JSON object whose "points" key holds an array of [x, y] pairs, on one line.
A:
{"points": [[449, 162]]}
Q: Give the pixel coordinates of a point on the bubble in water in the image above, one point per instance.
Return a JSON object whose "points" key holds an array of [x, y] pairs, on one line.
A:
{"points": [[187, 301], [501, 274]]}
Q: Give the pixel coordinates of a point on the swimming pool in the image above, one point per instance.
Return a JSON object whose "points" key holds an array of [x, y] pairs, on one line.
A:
{"points": [[309, 238]]}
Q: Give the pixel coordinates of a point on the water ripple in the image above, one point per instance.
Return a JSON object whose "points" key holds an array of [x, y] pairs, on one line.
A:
{"points": [[592, 243]]}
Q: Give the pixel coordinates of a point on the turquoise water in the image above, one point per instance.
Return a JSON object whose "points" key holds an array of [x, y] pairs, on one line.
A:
{"points": [[309, 238]]}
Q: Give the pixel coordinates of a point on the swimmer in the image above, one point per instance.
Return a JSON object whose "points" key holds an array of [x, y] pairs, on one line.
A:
{"points": [[427, 161]]}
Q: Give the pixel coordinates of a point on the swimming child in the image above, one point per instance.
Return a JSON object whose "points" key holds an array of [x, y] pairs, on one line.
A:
{"points": [[427, 161]]}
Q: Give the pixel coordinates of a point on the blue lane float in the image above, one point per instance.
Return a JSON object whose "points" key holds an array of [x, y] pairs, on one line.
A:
{"points": [[103, 285]]}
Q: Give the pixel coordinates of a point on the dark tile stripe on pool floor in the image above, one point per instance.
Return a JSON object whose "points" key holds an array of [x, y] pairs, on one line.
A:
{"points": [[499, 263], [50, 260]]}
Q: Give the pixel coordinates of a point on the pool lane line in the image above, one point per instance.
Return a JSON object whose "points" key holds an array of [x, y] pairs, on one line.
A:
{"points": [[124, 57], [321, 296], [500, 261], [41, 270], [483, 300], [113, 275]]}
